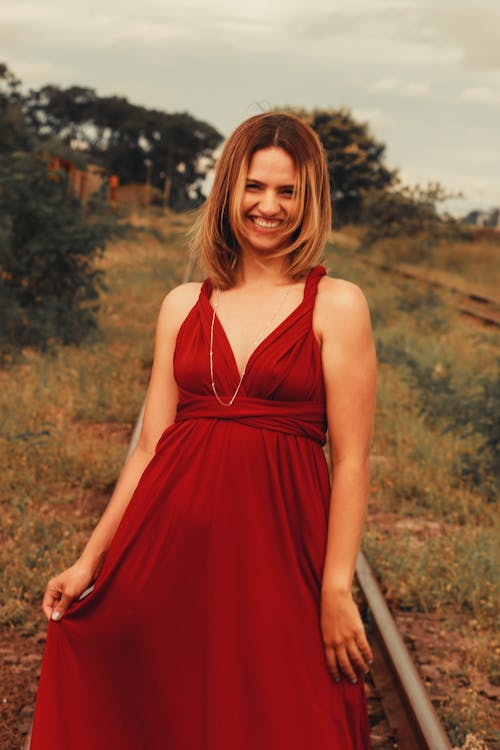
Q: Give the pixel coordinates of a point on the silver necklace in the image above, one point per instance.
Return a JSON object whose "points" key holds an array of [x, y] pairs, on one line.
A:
{"points": [[260, 336]]}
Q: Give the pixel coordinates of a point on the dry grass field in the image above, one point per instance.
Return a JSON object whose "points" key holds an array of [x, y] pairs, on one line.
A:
{"points": [[67, 416], [433, 528]]}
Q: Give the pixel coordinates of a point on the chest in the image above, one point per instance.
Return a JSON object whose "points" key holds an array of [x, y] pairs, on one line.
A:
{"points": [[246, 320]]}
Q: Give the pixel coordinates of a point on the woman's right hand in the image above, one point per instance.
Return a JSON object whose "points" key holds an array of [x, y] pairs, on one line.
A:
{"points": [[63, 589]]}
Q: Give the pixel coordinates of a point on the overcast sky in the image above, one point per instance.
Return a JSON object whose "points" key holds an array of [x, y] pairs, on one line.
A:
{"points": [[425, 74]]}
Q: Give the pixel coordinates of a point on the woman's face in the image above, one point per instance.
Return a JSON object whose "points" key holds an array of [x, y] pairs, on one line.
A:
{"points": [[270, 202]]}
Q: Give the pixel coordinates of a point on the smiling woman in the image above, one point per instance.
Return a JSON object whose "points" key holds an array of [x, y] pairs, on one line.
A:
{"points": [[221, 614], [272, 168]]}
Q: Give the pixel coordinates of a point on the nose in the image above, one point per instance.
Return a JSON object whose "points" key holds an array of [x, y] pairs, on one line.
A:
{"points": [[269, 204]]}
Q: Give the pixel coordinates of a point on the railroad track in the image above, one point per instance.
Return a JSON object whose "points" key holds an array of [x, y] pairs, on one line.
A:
{"points": [[407, 720], [474, 304]]}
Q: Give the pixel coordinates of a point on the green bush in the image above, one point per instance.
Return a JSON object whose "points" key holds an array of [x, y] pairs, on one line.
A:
{"points": [[469, 409], [409, 212], [48, 243]]}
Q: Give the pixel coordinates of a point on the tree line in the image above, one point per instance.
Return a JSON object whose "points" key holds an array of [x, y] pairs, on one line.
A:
{"points": [[48, 240]]}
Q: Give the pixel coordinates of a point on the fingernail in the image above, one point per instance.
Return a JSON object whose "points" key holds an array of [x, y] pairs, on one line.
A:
{"points": [[354, 681], [336, 679], [366, 671], [56, 616], [370, 662]]}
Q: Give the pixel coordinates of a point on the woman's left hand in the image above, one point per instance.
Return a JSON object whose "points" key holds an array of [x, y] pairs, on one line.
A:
{"points": [[344, 639]]}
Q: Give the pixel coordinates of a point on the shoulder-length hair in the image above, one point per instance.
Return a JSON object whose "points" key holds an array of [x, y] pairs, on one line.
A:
{"points": [[219, 232]]}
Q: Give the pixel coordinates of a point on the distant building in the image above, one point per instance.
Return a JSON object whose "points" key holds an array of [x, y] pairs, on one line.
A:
{"points": [[85, 182], [483, 218]]}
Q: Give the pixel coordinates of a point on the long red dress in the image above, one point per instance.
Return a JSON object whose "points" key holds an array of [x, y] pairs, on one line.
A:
{"points": [[203, 630]]}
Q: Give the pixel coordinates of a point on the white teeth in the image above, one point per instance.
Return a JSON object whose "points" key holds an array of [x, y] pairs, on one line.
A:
{"points": [[263, 223]]}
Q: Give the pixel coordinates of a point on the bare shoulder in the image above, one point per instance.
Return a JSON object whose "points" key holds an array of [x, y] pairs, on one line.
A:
{"points": [[341, 306], [183, 294], [178, 302]]}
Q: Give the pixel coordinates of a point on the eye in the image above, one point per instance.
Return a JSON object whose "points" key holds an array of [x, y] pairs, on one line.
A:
{"points": [[288, 191], [252, 186]]}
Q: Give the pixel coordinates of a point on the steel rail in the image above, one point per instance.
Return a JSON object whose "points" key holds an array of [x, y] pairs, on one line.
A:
{"points": [[490, 317], [404, 696]]}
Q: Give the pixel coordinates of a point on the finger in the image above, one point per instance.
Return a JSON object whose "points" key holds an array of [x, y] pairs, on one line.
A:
{"points": [[356, 658], [47, 608], [62, 606], [50, 599], [364, 648], [331, 660], [345, 664]]}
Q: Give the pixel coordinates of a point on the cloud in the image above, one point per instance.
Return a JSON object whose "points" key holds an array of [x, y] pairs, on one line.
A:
{"points": [[472, 28], [407, 89], [104, 24], [376, 118], [368, 20], [480, 95], [416, 90], [461, 32], [385, 84], [42, 71]]}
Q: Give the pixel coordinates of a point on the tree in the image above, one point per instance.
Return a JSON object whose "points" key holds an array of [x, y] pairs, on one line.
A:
{"points": [[410, 212], [14, 132], [48, 285], [355, 160], [121, 136], [48, 241]]}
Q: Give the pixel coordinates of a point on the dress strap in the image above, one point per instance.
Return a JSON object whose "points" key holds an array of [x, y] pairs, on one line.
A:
{"points": [[312, 281]]}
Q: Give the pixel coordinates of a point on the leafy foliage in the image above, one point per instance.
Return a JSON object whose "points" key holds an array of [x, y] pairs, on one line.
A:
{"points": [[404, 211], [48, 286], [365, 191], [478, 415], [469, 409], [123, 137], [14, 132], [355, 160]]}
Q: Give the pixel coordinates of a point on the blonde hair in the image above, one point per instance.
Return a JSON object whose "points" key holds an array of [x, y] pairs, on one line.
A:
{"points": [[219, 230]]}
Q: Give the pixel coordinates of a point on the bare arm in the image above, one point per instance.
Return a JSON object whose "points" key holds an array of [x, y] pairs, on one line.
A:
{"points": [[160, 409], [349, 367]]}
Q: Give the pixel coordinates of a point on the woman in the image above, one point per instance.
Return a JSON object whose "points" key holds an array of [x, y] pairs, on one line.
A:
{"points": [[222, 616]]}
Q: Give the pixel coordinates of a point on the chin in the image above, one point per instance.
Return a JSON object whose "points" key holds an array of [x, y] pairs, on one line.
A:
{"points": [[265, 244]]}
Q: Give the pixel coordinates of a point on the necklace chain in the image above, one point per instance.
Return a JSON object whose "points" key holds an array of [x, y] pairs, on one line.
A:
{"points": [[257, 340]]}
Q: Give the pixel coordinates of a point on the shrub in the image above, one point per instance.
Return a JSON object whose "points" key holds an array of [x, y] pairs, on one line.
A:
{"points": [[468, 409], [48, 242], [409, 212]]}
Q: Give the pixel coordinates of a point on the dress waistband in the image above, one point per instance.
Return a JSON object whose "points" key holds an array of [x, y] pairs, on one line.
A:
{"points": [[300, 418]]}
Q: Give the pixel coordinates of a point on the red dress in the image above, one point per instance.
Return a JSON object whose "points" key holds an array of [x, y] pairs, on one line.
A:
{"points": [[203, 630]]}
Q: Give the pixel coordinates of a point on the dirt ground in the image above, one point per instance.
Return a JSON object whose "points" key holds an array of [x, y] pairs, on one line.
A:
{"points": [[436, 656]]}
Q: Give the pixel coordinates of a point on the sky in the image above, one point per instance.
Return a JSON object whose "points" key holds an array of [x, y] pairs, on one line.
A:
{"points": [[424, 74]]}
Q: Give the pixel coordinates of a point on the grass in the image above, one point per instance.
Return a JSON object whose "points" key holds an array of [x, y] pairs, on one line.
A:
{"points": [[470, 265], [432, 531], [67, 416]]}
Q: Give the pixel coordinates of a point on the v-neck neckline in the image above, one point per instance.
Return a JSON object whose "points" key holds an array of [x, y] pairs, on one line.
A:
{"points": [[266, 338]]}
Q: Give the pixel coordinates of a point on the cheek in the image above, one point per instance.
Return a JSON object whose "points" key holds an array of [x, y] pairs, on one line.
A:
{"points": [[295, 211], [246, 204]]}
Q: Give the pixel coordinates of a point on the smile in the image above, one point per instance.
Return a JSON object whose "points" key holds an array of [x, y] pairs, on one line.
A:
{"points": [[265, 223]]}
